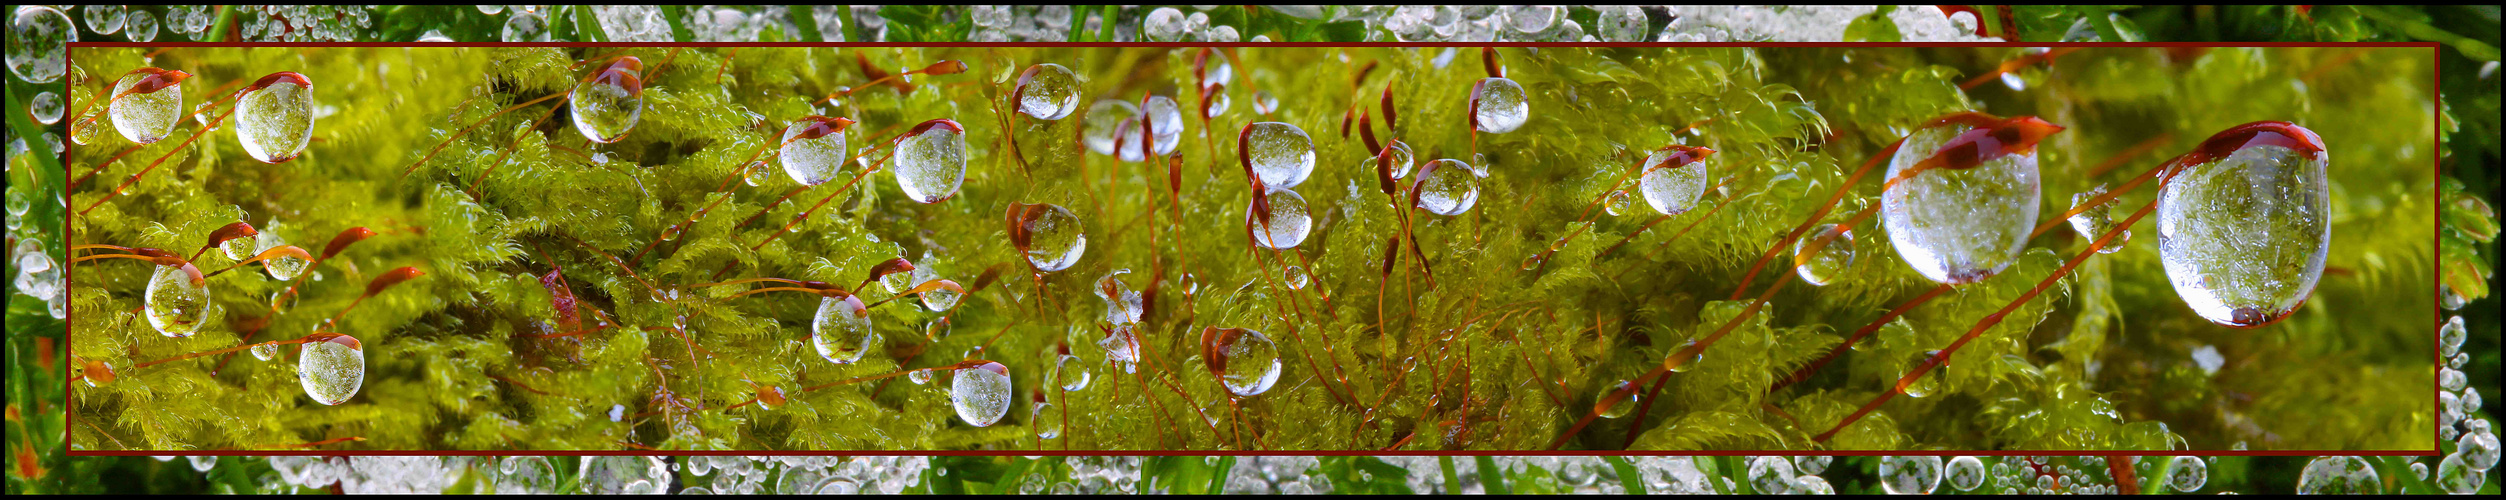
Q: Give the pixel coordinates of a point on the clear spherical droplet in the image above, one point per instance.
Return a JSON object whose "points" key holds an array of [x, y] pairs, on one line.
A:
{"points": [[1447, 187], [1072, 373], [178, 301], [1264, 103], [46, 108], [1621, 23], [1294, 277], [2340, 475], [1162, 25], [1602, 404], [147, 104], [1965, 473], [813, 149], [1823, 254], [282, 268], [1958, 226], [607, 106], [1285, 225], [841, 331], [526, 26], [38, 38], [1814, 485], [1618, 202], [1245, 361], [1047, 426], [1771, 475], [1104, 121], [1930, 382], [937, 299], [332, 369], [265, 352], [2479, 449], [2455, 475], [981, 394], [756, 173], [1812, 464], [1909, 475], [919, 377], [930, 165], [105, 19], [1054, 239], [2243, 238], [275, 121], [2450, 337], [1049, 93], [1499, 105], [1165, 124], [1281, 153], [1402, 159], [2187, 474]]}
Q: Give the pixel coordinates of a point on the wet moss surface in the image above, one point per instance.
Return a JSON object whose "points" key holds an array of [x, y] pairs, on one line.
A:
{"points": [[1503, 351]]}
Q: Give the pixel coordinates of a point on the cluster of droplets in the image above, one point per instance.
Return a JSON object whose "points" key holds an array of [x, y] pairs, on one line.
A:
{"points": [[1020, 23], [726, 24], [303, 23], [37, 274], [2476, 451], [1275, 475]]}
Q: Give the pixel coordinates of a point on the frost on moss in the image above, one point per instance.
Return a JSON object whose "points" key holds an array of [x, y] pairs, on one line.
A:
{"points": [[519, 212]]}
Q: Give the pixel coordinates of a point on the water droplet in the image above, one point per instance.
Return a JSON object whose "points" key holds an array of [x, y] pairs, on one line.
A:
{"points": [[2095, 221], [2455, 475], [1122, 305], [1286, 224], [1602, 404], [813, 149], [2339, 475], [1054, 240], [1930, 382], [1695, 355], [147, 115], [2478, 449], [937, 299], [1106, 119], [1294, 277], [1050, 93], [2243, 238], [2187, 474], [332, 369], [105, 19], [841, 331], [1910, 475], [1218, 104], [1447, 187], [2419, 470], [1824, 254], [769, 397], [1673, 190], [526, 26], [1281, 153], [2451, 380], [1958, 226], [1771, 475], [494, 10], [46, 108], [1814, 485], [265, 352], [1402, 160], [757, 173], [919, 377], [1618, 202], [1122, 346], [282, 268], [1162, 25], [606, 106], [1264, 103], [617, 413], [202, 463], [1072, 372], [1500, 105], [981, 394], [1245, 361], [1165, 124], [37, 43], [275, 120], [1046, 427], [930, 165], [1621, 23], [1812, 464], [178, 302]]}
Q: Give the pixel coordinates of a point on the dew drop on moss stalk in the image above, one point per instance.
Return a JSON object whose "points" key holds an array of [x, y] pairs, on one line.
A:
{"points": [[931, 164], [332, 369], [981, 394], [1281, 153], [1447, 187], [2243, 236], [813, 149], [1288, 220], [147, 103], [1244, 360], [1048, 92], [1958, 226], [178, 300], [274, 117], [1107, 119], [606, 105], [1823, 254], [1053, 239], [1500, 105], [841, 331]]}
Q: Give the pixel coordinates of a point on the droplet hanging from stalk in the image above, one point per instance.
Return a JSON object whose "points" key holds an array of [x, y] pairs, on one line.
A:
{"points": [[178, 300], [1049, 235], [331, 367], [1245, 361], [981, 393], [2244, 223], [841, 331], [1674, 177], [607, 104], [1279, 219], [1105, 121], [1165, 122], [1824, 254], [931, 161], [1445, 187], [1279, 153], [274, 117], [813, 149], [2093, 222], [1047, 92], [147, 103], [1962, 195]]}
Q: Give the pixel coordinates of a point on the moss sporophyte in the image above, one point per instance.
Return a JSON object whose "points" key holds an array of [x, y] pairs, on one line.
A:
{"points": [[629, 284]]}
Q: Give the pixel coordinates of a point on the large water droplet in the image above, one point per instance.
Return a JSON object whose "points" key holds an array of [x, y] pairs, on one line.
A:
{"points": [[1162, 25], [38, 38], [275, 121], [1812, 464], [1245, 361], [2093, 222], [2342, 475], [1909, 475], [1959, 226], [1771, 475], [937, 299], [282, 268], [981, 394], [332, 369], [145, 116], [1823, 254], [1602, 404], [813, 149], [1049, 92], [178, 301], [1673, 190], [1105, 120], [1047, 426], [526, 26], [1965, 473], [1072, 372], [1054, 240], [1447, 187], [841, 331], [2187, 474], [2478, 447], [106, 19], [2455, 475], [1282, 154], [1287, 223], [607, 106], [2243, 238], [1500, 105], [1930, 382], [1165, 124], [930, 165], [1402, 159]]}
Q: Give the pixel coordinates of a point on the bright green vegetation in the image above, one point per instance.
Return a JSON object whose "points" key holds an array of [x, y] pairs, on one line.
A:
{"points": [[2101, 361]]}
